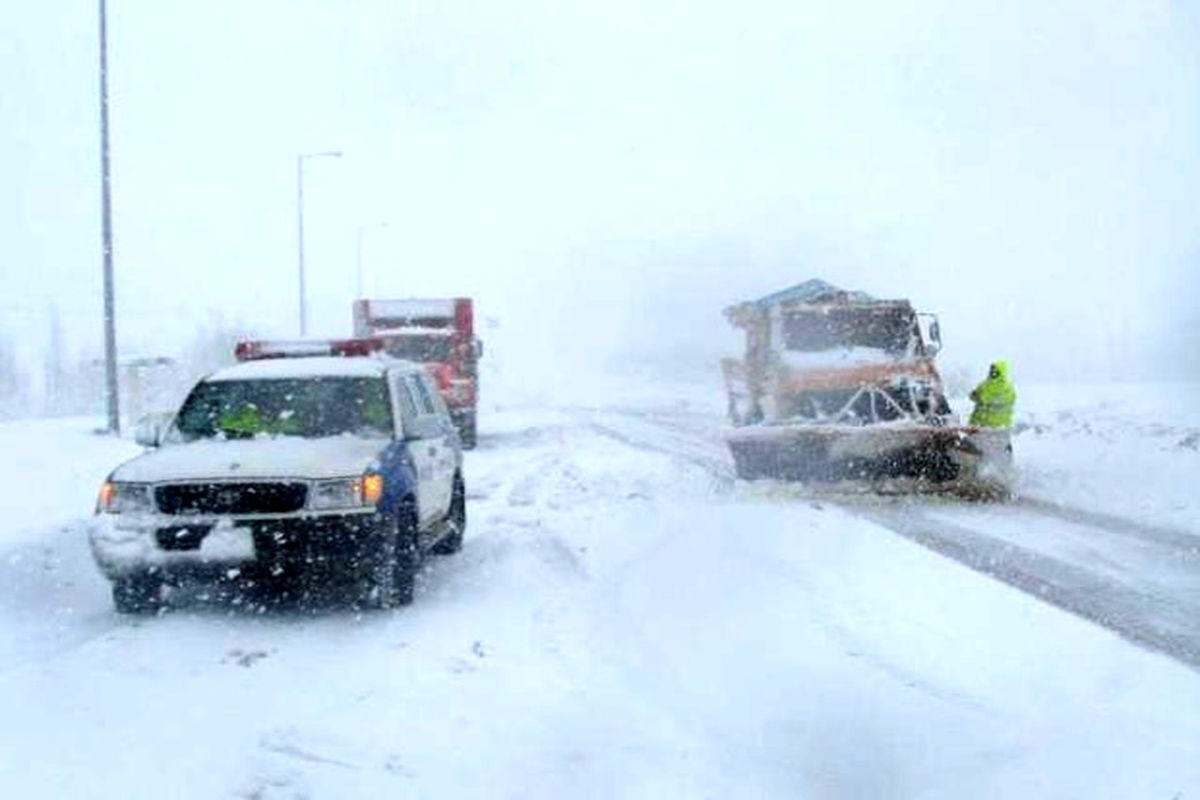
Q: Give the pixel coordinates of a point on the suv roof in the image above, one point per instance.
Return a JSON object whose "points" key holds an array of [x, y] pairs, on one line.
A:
{"points": [[311, 367]]}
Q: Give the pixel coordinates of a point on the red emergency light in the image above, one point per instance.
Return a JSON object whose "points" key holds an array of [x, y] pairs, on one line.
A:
{"points": [[260, 349]]}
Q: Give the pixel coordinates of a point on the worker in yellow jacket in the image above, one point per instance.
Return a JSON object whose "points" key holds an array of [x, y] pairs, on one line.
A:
{"points": [[994, 398]]}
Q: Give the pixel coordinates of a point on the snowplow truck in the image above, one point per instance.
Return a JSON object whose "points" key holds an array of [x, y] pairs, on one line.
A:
{"points": [[839, 388], [436, 332]]}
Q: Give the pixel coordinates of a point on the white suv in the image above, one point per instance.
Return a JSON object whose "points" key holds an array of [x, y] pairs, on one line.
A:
{"points": [[286, 467]]}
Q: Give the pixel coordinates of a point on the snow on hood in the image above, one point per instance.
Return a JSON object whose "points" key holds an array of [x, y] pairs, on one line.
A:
{"points": [[280, 457]]}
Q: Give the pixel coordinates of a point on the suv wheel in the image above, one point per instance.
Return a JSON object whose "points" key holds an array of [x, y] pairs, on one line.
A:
{"points": [[137, 594], [394, 560], [456, 521]]}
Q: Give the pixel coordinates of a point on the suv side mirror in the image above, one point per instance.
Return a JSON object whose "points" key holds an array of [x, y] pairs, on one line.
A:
{"points": [[477, 348], [151, 428]]}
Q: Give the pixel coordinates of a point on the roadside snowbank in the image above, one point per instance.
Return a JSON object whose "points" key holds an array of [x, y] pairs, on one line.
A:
{"points": [[52, 470], [1127, 449]]}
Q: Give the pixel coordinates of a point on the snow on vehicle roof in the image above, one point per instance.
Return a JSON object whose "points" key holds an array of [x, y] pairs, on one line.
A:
{"points": [[306, 367]]}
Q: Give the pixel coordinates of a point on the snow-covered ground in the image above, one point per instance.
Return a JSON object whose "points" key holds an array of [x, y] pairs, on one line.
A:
{"points": [[1127, 449], [623, 621]]}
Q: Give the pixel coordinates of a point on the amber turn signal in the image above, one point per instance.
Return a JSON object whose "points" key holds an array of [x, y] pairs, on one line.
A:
{"points": [[372, 488], [108, 493]]}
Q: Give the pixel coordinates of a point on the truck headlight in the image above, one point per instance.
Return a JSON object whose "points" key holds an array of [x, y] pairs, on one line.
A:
{"points": [[117, 497], [363, 491]]}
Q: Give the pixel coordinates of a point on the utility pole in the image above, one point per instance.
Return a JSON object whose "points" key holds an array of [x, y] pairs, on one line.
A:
{"points": [[111, 388]]}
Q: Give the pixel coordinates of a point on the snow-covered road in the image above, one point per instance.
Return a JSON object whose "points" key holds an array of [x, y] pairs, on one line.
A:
{"points": [[1140, 579], [623, 621]]}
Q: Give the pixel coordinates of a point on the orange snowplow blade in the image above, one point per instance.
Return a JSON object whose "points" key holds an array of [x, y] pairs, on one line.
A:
{"points": [[922, 457]]}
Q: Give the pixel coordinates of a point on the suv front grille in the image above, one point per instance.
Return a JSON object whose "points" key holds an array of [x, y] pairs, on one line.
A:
{"points": [[231, 498]]}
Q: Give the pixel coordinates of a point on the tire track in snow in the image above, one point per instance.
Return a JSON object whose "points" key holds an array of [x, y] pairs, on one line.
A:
{"points": [[1189, 543], [720, 471]]}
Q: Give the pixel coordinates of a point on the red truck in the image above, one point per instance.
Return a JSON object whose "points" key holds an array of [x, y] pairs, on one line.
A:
{"points": [[436, 332]]}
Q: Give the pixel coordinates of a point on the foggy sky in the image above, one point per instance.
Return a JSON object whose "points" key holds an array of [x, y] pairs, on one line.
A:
{"points": [[606, 176]]}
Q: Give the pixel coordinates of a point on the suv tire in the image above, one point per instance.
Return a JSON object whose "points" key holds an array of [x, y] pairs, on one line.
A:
{"points": [[394, 558]]}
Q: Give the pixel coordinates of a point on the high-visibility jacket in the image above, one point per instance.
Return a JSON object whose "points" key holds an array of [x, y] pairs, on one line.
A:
{"points": [[994, 399]]}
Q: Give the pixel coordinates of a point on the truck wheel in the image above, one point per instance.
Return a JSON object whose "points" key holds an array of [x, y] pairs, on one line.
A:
{"points": [[467, 433], [464, 423], [456, 522], [137, 594], [394, 559], [745, 466]]}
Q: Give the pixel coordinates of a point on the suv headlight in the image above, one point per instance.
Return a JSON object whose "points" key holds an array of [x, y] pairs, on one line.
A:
{"points": [[125, 498], [360, 492]]}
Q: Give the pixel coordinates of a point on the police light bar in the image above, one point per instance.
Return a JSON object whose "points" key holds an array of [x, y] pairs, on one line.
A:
{"points": [[260, 349]]}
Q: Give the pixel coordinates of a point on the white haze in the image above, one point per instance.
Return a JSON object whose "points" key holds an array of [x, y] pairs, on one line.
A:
{"points": [[606, 176]]}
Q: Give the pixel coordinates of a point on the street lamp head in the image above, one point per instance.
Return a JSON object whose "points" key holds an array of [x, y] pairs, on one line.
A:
{"points": [[324, 153]]}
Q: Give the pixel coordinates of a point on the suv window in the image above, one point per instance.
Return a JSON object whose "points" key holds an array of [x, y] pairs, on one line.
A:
{"points": [[408, 406], [421, 394], [435, 397]]}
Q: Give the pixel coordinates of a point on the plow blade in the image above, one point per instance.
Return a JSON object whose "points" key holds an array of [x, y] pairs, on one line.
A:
{"points": [[908, 458]]}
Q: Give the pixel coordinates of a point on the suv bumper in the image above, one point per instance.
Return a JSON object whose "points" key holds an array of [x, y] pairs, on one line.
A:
{"points": [[175, 546]]}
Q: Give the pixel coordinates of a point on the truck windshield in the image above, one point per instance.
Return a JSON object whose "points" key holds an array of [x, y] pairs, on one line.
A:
{"points": [[888, 329], [420, 348], [306, 407]]}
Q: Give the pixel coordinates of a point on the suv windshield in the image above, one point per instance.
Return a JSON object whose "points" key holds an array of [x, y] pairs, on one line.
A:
{"points": [[307, 407]]}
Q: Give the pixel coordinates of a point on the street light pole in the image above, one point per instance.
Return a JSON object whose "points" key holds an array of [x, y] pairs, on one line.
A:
{"points": [[111, 390], [358, 272], [300, 229]]}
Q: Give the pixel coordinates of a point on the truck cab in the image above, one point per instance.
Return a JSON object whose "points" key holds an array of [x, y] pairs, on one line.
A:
{"points": [[436, 332], [819, 354], [306, 461]]}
